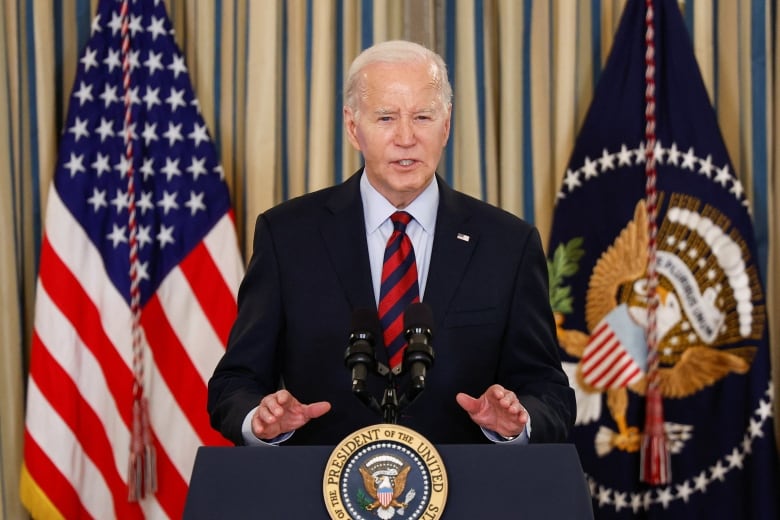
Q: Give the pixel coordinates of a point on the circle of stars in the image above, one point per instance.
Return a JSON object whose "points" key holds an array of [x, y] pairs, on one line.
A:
{"points": [[717, 472], [626, 157]]}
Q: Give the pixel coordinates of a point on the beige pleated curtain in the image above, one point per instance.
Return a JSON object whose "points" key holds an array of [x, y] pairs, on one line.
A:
{"points": [[268, 75]]}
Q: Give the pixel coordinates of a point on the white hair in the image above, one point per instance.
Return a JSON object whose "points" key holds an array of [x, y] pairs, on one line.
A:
{"points": [[396, 51]]}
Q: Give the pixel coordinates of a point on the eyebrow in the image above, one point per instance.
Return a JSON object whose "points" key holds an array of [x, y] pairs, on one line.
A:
{"points": [[388, 111]]}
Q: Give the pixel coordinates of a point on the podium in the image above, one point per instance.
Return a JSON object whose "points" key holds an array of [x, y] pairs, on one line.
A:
{"points": [[531, 482]]}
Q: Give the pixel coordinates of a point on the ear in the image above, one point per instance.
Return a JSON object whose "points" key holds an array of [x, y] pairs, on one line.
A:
{"points": [[351, 127], [447, 123]]}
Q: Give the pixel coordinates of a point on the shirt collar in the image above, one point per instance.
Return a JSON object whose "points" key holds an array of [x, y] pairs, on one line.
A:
{"points": [[377, 209]]}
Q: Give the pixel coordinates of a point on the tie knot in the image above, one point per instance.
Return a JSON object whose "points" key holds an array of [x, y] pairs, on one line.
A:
{"points": [[400, 220]]}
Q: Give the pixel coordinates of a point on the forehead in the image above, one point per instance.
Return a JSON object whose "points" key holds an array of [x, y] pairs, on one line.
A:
{"points": [[410, 83]]}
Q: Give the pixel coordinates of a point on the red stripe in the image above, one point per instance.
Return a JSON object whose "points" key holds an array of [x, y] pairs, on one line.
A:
{"points": [[210, 290], [176, 368], [596, 342], [627, 377], [171, 487], [600, 350], [64, 396], [68, 295], [394, 329], [397, 291], [397, 358], [390, 265], [51, 481], [396, 259], [623, 362], [603, 365], [76, 305]]}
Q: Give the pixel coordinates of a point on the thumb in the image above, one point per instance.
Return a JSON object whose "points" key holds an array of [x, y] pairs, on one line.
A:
{"points": [[467, 402], [317, 409]]}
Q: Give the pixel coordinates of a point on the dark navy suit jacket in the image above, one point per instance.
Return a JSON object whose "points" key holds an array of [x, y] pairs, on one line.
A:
{"points": [[487, 287]]}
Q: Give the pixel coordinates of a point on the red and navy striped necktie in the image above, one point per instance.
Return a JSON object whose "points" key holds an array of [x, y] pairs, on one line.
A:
{"points": [[399, 287]]}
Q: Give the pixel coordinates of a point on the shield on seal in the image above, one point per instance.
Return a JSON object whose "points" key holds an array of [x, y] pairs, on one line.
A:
{"points": [[384, 492]]}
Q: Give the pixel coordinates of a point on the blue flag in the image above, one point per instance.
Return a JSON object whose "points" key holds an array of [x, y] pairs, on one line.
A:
{"points": [[710, 322]]}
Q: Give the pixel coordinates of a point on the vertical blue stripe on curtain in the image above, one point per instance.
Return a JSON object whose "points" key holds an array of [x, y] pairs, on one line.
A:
{"points": [[234, 94], [715, 8], [366, 23], [595, 40], [338, 134], [35, 167], [479, 67], [217, 76], [58, 46], [528, 157], [309, 39], [758, 68], [83, 26], [688, 15], [285, 181], [450, 17]]}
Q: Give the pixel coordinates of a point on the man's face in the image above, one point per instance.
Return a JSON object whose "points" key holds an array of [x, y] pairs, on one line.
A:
{"points": [[401, 128]]}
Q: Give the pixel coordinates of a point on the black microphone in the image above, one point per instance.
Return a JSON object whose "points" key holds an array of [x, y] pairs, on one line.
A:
{"points": [[418, 356], [360, 357]]}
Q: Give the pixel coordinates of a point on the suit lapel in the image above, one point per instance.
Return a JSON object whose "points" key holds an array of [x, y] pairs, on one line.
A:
{"points": [[344, 232], [453, 246]]}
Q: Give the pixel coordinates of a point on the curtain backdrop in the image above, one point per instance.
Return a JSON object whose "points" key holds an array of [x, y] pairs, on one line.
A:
{"points": [[269, 73]]}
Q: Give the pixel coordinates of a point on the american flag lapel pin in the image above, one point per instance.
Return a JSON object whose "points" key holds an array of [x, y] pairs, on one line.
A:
{"points": [[464, 237]]}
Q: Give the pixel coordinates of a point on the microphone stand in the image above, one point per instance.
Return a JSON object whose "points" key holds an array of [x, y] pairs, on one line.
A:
{"points": [[390, 401]]}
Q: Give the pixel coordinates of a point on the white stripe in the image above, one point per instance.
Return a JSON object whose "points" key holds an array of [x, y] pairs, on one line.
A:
{"points": [[61, 340], [621, 365], [597, 353], [190, 323], [624, 379], [64, 451], [606, 362], [222, 244], [79, 254], [169, 423], [593, 346]]}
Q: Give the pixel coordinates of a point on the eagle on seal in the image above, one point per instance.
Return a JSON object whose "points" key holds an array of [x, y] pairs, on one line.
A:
{"points": [[617, 285], [375, 486]]}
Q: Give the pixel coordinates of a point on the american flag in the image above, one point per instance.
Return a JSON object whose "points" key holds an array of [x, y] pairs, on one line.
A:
{"points": [[132, 114]]}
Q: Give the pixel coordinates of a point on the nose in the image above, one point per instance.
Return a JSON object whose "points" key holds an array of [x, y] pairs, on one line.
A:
{"points": [[404, 134]]}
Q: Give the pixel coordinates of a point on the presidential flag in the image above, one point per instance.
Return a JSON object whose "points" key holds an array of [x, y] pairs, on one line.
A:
{"points": [[656, 289], [136, 291]]}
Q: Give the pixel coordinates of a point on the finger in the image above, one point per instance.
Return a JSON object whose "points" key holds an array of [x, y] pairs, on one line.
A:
{"points": [[467, 402], [282, 397], [271, 409], [314, 410], [497, 391], [509, 400]]}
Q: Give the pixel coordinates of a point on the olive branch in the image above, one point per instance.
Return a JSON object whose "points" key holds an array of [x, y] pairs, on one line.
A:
{"points": [[563, 264]]}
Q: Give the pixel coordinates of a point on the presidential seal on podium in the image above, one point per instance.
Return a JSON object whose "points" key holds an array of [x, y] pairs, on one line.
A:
{"points": [[385, 471]]}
